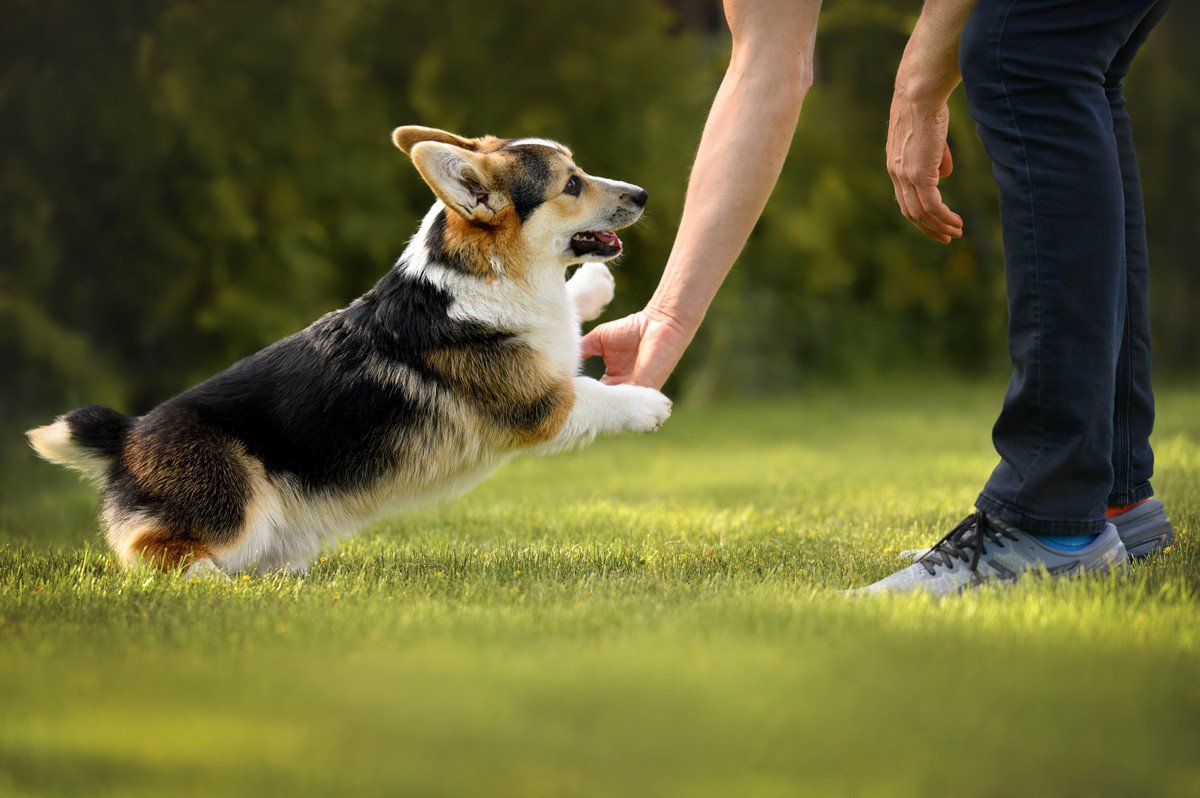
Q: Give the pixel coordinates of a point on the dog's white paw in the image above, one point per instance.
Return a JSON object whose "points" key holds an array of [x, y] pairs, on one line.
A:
{"points": [[204, 569], [646, 408], [591, 289]]}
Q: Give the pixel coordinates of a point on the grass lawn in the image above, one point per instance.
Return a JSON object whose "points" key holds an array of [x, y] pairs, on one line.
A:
{"points": [[649, 616]]}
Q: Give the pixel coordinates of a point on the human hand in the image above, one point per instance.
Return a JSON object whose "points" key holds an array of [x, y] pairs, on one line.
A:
{"points": [[642, 348], [918, 156]]}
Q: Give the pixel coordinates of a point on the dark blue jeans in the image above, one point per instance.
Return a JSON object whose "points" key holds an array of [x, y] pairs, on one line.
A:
{"points": [[1043, 82]]}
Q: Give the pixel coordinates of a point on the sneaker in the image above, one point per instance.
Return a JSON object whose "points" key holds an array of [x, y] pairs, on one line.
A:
{"points": [[982, 550], [1144, 529]]}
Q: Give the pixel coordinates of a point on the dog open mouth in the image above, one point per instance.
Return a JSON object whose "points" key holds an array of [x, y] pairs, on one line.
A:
{"points": [[604, 243]]}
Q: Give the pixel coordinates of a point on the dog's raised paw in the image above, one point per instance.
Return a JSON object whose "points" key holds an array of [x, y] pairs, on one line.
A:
{"points": [[648, 409], [591, 289]]}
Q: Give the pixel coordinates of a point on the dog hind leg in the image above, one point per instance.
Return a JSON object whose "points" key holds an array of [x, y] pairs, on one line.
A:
{"points": [[170, 552]]}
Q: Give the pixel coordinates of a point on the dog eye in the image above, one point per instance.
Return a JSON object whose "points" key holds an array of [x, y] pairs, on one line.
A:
{"points": [[574, 186]]}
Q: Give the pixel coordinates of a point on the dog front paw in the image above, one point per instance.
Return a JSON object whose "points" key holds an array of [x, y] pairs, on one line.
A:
{"points": [[591, 289], [647, 409]]}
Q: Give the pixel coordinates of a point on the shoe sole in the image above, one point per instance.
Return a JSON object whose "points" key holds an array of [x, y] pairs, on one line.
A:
{"points": [[1144, 530]]}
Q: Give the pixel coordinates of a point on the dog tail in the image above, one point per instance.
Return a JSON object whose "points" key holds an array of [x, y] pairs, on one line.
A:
{"points": [[87, 439]]}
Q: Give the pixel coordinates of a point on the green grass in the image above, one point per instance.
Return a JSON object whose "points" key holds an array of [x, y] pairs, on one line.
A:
{"points": [[649, 616]]}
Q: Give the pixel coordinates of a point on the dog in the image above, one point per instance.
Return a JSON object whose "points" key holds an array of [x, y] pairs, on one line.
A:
{"points": [[464, 354]]}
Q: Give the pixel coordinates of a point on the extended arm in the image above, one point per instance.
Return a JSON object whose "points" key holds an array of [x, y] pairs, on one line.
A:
{"points": [[741, 153], [918, 155]]}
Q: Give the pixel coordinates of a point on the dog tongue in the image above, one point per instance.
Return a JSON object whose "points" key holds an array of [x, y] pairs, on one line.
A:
{"points": [[607, 236]]}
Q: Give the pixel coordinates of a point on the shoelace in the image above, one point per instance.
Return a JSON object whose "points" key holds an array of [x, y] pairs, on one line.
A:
{"points": [[971, 536]]}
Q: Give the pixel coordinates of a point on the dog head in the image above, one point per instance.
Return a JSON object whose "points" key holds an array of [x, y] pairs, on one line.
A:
{"points": [[520, 202]]}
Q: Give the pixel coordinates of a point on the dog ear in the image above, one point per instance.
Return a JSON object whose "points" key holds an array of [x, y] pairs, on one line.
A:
{"points": [[410, 135], [462, 179]]}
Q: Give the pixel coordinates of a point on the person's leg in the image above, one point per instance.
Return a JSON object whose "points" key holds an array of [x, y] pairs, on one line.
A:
{"points": [[1034, 72], [1141, 521], [1133, 416], [1037, 75]]}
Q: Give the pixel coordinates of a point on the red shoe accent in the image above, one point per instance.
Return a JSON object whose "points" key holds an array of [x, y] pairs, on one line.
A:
{"points": [[1112, 512]]}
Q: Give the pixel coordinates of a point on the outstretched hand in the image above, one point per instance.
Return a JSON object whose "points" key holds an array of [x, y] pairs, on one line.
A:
{"points": [[918, 156], [642, 348]]}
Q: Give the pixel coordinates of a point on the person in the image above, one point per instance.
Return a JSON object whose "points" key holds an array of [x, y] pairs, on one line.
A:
{"points": [[1043, 80]]}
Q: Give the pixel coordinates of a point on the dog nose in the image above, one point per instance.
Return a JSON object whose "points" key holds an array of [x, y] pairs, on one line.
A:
{"points": [[638, 197]]}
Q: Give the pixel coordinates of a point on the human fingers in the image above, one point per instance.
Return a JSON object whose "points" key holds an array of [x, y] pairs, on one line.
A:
{"points": [[911, 207], [936, 214], [592, 344], [615, 378], [899, 191], [906, 197]]}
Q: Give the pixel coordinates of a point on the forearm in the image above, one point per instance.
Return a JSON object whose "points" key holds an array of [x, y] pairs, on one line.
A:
{"points": [[928, 72], [741, 154]]}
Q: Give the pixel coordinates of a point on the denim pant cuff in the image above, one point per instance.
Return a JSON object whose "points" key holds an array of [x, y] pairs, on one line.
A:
{"points": [[1137, 494], [1035, 525]]}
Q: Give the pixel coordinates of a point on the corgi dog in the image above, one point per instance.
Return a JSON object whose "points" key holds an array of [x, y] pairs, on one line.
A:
{"points": [[466, 353]]}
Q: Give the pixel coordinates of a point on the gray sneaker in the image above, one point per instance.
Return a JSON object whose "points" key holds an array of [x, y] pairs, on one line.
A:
{"points": [[982, 550], [1144, 529]]}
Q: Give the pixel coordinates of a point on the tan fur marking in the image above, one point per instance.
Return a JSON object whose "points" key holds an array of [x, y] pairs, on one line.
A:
{"points": [[511, 389], [406, 137], [561, 397], [482, 246], [166, 551], [568, 208], [490, 144]]}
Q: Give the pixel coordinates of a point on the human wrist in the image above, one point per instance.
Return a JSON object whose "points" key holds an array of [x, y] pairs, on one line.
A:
{"points": [[928, 71], [924, 90], [682, 324]]}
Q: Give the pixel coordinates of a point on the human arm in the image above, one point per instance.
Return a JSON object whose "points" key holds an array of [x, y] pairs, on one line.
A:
{"points": [[741, 154], [918, 154]]}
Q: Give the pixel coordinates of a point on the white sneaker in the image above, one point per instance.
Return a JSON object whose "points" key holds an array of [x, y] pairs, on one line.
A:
{"points": [[982, 550]]}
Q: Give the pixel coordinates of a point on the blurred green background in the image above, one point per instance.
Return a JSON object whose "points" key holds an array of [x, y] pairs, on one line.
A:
{"points": [[185, 181]]}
